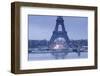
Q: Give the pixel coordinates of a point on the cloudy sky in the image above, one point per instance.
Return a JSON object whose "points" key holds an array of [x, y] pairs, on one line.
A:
{"points": [[41, 27]]}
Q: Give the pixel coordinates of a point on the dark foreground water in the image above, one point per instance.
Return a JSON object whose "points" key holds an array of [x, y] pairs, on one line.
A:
{"points": [[50, 56]]}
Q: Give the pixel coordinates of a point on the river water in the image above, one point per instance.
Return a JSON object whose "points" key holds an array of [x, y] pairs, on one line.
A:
{"points": [[50, 56]]}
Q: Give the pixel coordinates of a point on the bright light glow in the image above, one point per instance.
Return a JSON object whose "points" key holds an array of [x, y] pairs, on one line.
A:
{"points": [[59, 46], [56, 47]]}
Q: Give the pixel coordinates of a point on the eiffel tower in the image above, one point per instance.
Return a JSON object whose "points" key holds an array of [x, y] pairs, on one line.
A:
{"points": [[59, 34]]}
